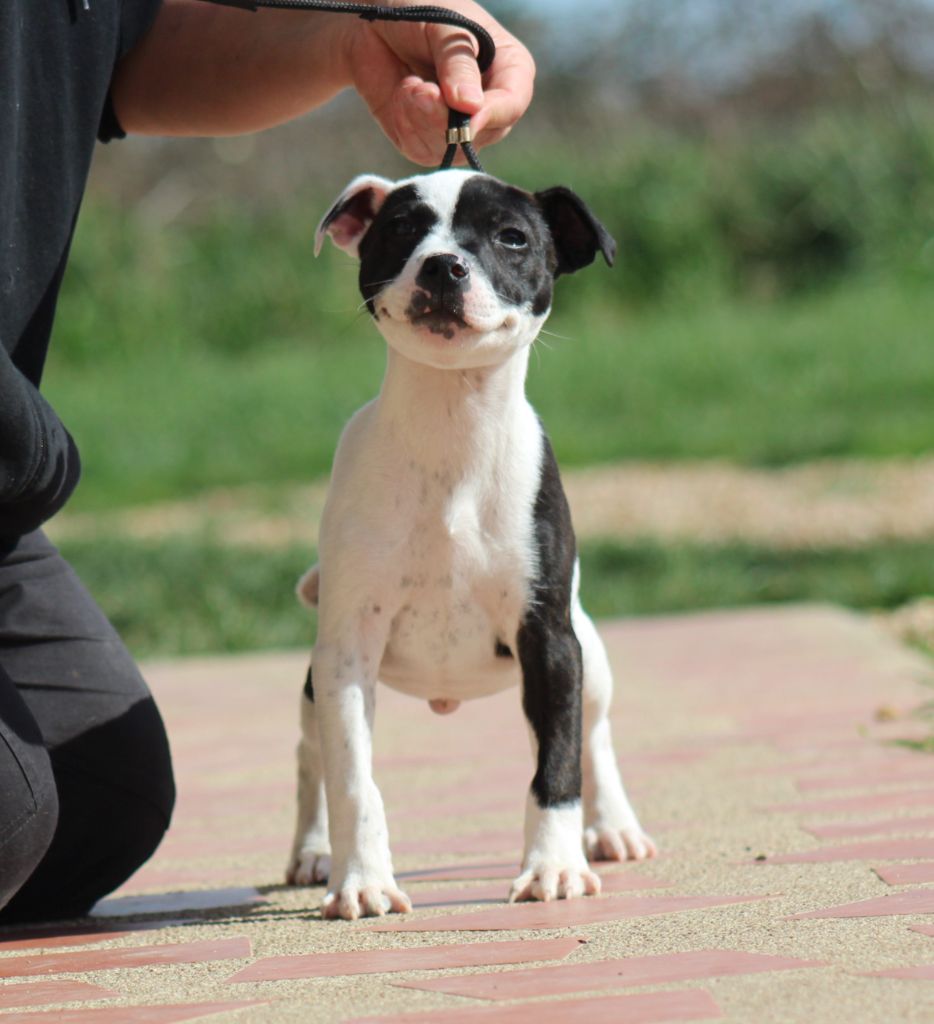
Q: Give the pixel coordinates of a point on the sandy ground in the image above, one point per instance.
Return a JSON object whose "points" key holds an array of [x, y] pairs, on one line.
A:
{"points": [[741, 735], [832, 503]]}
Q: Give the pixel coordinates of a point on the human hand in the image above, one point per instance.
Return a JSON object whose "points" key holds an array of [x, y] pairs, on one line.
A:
{"points": [[409, 74]]}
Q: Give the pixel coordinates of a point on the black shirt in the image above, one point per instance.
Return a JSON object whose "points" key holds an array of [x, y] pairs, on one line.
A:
{"points": [[57, 59]]}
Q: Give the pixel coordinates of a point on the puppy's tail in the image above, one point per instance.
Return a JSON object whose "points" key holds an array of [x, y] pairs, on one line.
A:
{"points": [[306, 590]]}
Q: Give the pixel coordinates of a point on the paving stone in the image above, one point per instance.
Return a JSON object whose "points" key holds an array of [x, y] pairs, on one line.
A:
{"points": [[883, 774], [55, 936], [861, 804], [603, 974], [160, 878], [563, 913], [915, 901], [497, 892], [40, 993], [460, 872], [922, 972], [690, 1004], [882, 849], [166, 1014], [855, 829], [716, 717], [907, 874], [477, 842], [425, 958], [124, 957]]}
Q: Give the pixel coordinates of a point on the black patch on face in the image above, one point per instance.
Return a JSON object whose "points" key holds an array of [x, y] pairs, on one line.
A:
{"points": [[309, 689], [402, 222], [486, 218], [549, 652]]}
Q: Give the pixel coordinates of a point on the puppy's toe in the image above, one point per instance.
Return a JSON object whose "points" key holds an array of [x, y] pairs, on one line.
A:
{"points": [[521, 888], [629, 843], [365, 900], [572, 884], [639, 845], [309, 868], [547, 881]]}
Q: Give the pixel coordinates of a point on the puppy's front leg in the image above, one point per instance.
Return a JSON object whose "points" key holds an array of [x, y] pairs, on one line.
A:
{"points": [[553, 864], [361, 882]]}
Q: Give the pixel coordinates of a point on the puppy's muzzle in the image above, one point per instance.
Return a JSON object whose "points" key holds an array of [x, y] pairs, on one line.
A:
{"points": [[438, 299]]}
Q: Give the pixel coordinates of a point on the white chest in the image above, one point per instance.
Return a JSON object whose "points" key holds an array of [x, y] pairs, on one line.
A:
{"points": [[430, 519]]}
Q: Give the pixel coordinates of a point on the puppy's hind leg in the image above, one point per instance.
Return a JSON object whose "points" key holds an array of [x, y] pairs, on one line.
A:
{"points": [[310, 861], [611, 828]]}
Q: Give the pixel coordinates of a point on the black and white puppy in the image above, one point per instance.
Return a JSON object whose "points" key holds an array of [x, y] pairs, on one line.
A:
{"points": [[448, 567]]}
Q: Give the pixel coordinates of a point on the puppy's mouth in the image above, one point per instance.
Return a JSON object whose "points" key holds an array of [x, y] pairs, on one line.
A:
{"points": [[441, 313]]}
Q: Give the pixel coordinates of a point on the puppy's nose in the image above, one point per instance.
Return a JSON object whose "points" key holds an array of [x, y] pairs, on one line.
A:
{"points": [[442, 268]]}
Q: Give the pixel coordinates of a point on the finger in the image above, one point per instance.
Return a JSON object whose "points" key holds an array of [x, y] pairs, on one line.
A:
{"points": [[503, 105], [457, 72], [509, 87], [420, 118]]}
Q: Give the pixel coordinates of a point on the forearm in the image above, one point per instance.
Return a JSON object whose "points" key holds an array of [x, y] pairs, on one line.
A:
{"points": [[39, 464], [203, 69]]}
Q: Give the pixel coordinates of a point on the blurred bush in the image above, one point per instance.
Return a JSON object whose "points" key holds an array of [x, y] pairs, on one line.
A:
{"points": [[756, 214]]}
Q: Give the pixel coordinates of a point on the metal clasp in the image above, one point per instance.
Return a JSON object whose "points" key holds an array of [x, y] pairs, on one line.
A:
{"points": [[458, 136]]}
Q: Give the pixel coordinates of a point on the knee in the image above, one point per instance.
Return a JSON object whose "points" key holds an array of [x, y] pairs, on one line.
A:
{"points": [[29, 811], [135, 829]]}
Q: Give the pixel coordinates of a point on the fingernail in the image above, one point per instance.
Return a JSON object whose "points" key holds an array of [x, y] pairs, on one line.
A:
{"points": [[470, 94]]}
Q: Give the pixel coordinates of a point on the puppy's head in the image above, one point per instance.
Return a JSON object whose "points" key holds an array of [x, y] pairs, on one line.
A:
{"points": [[456, 267]]}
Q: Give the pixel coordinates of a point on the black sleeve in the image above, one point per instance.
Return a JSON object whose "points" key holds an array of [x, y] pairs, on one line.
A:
{"points": [[39, 463], [136, 17]]}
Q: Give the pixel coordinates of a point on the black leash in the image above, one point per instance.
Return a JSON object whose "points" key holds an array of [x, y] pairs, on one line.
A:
{"points": [[458, 133]]}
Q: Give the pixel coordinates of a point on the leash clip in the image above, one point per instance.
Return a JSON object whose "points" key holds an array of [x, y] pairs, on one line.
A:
{"points": [[459, 135]]}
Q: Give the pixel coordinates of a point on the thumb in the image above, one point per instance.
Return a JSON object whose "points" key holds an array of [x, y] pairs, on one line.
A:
{"points": [[457, 71]]}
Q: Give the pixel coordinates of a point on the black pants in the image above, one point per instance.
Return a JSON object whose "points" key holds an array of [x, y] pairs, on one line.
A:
{"points": [[86, 789]]}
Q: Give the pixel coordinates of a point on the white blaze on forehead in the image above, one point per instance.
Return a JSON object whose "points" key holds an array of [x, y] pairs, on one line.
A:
{"points": [[441, 191]]}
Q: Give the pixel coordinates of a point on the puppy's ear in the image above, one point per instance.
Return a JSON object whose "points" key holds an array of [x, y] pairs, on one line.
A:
{"points": [[576, 232], [348, 219]]}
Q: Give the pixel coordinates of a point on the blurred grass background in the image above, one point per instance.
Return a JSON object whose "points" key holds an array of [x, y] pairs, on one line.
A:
{"points": [[770, 179]]}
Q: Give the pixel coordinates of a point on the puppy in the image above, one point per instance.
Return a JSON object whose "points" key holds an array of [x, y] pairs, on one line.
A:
{"points": [[448, 566]]}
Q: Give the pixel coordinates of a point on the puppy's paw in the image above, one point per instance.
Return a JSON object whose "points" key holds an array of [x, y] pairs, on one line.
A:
{"points": [[365, 897], [308, 868], [552, 880], [603, 842]]}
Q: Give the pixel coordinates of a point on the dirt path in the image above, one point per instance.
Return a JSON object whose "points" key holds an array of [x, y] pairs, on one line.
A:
{"points": [[822, 504]]}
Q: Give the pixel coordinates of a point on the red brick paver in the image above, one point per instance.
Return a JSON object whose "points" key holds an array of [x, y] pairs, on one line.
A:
{"points": [[564, 913], [428, 958], [607, 974], [791, 833], [122, 958], [41, 993], [129, 1014], [692, 1004]]}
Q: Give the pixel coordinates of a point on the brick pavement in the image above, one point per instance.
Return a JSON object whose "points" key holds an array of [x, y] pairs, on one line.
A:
{"points": [[794, 881]]}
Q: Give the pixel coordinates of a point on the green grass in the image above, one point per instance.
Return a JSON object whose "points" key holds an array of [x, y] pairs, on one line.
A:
{"points": [[771, 304], [845, 373], [193, 596]]}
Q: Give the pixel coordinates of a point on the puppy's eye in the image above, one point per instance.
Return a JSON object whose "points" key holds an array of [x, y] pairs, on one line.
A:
{"points": [[512, 238], [401, 227]]}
